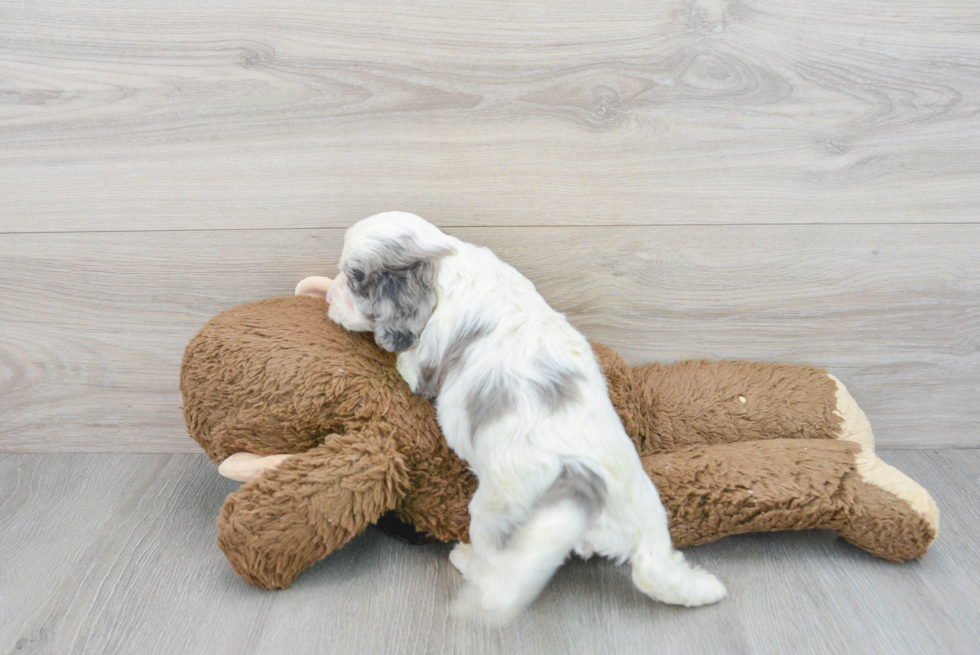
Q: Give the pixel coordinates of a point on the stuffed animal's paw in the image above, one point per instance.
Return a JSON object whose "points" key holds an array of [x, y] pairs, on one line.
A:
{"points": [[243, 467]]}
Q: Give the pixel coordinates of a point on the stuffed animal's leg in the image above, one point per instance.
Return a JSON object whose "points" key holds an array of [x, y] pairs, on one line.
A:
{"points": [[310, 504], [709, 402], [702, 402], [873, 523], [710, 492]]}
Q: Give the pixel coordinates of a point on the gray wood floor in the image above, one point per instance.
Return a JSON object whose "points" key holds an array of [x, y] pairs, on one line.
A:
{"points": [[107, 554]]}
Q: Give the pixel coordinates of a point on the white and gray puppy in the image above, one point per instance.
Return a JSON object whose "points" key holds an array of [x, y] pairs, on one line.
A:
{"points": [[521, 397]]}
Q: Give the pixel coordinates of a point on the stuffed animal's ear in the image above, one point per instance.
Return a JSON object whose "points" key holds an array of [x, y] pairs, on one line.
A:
{"points": [[315, 286], [402, 300]]}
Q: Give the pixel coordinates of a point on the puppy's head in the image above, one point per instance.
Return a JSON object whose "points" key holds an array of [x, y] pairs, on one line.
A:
{"points": [[387, 278]]}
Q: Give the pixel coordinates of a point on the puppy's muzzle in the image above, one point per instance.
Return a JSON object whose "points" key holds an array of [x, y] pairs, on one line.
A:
{"points": [[337, 289], [343, 309]]}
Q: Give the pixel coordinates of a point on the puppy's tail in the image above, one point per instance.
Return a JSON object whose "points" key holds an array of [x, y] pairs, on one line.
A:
{"points": [[658, 570], [535, 551]]}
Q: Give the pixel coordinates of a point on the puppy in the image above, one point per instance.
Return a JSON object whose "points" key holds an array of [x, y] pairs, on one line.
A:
{"points": [[521, 397]]}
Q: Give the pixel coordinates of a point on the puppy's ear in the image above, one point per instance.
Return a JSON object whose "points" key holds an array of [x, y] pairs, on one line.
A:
{"points": [[402, 283], [402, 300]]}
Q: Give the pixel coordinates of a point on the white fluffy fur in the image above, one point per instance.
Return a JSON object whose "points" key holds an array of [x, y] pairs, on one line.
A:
{"points": [[517, 543]]}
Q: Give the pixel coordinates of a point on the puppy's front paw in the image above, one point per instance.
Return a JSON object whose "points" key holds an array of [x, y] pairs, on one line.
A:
{"points": [[406, 366]]}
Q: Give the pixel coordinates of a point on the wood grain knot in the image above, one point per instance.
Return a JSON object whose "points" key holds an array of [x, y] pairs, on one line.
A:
{"points": [[708, 16], [606, 105], [249, 58]]}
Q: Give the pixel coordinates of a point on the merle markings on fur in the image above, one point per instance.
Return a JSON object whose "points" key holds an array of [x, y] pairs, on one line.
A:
{"points": [[433, 375], [579, 485], [395, 288], [556, 383], [488, 399], [520, 396]]}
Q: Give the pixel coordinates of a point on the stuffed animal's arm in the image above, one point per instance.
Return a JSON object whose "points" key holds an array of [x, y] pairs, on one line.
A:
{"points": [[312, 503], [315, 286]]}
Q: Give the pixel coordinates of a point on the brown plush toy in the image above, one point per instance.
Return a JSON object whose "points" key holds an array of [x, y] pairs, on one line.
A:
{"points": [[331, 438]]}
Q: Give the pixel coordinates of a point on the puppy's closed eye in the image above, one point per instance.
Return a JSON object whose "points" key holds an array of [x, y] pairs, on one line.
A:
{"points": [[355, 280]]}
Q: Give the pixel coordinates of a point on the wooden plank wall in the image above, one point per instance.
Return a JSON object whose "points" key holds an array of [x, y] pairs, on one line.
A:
{"points": [[796, 181]]}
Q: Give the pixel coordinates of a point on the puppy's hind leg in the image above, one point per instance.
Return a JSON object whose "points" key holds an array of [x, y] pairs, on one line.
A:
{"points": [[506, 579], [462, 557], [658, 570]]}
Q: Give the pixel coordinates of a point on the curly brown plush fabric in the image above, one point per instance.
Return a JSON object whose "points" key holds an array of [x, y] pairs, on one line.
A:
{"points": [[733, 447]]}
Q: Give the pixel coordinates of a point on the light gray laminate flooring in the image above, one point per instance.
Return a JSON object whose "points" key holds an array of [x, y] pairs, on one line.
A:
{"points": [[107, 553]]}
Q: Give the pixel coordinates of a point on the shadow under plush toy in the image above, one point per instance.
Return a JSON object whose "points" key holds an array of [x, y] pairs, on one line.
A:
{"points": [[329, 439]]}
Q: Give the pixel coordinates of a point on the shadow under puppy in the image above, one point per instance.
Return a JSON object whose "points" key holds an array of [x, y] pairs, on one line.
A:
{"points": [[521, 397]]}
